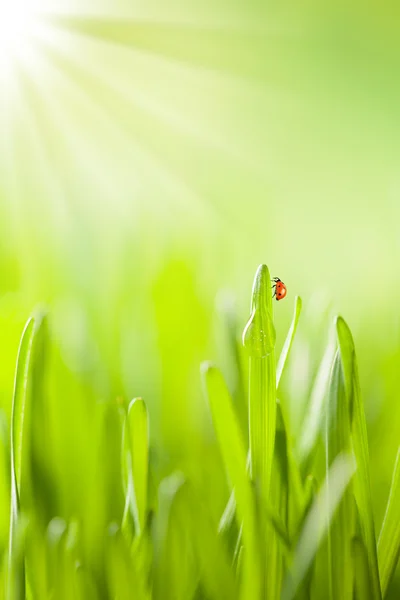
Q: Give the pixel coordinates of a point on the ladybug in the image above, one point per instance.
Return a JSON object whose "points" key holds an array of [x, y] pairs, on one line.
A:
{"points": [[280, 289]]}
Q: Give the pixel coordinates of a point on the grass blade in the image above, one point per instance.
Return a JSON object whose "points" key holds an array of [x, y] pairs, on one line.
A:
{"points": [[21, 386], [389, 538], [234, 456], [120, 571], [362, 581], [280, 501], [317, 522], [341, 528], [137, 458], [289, 340], [362, 486], [176, 571], [217, 574], [16, 567], [259, 340], [316, 409]]}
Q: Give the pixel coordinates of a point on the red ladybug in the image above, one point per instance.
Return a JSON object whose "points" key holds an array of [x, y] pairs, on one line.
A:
{"points": [[280, 289]]}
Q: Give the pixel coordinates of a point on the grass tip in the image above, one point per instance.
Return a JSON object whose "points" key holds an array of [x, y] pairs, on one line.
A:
{"points": [[136, 402], [207, 366]]}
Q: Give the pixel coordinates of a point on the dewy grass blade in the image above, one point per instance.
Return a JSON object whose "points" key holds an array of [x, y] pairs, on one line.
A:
{"points": [[259, 340], [234, 456], [362, 486], [342, 525], [16, 569], [289, 340], [137, 430], [317, 522], [389, 538]]}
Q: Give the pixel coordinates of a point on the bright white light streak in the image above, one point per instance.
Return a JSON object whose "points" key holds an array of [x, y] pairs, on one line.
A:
{"points": [[144, 164], [17, 23]]}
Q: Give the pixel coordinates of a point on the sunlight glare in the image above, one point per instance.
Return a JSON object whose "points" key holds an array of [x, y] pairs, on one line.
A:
{"points": [[17, 24]]}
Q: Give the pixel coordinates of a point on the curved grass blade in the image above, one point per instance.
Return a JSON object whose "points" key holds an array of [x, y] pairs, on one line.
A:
{"points": [[41, 457], [313, 421], [16, 563], [20, 397], [318, 521], [289, 340], [234, 456], [342, 525], [389, 538], [137, 461], [362, 486]]}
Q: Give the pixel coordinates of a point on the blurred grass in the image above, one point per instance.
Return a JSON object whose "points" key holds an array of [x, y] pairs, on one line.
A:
{"points": [[128, 526]]}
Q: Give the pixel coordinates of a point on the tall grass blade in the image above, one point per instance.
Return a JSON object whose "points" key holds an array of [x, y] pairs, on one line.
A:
{"points": [[137, 457], [16, 568], [318, 521], [389, 538], [362, 580], [362, 486], [313, 421], [217, 575], [176, 571], [283, 358], [234, 456], [120, 570], [342, 525], [259, 340], [280, 502]]}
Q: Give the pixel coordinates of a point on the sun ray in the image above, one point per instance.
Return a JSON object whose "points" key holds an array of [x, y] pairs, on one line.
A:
{"points": [[178, 149], [151, 172], [139, 125], [172, 137], [230, 49]]}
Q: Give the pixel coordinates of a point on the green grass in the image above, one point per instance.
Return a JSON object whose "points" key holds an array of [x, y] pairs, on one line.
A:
{"points": [[98, 510]]}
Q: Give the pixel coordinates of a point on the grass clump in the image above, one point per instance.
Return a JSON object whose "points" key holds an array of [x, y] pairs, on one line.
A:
{"points": [[298, 521]]}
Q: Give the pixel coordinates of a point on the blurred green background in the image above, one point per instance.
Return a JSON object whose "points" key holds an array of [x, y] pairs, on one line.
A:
{"points": [[152, 155]]}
